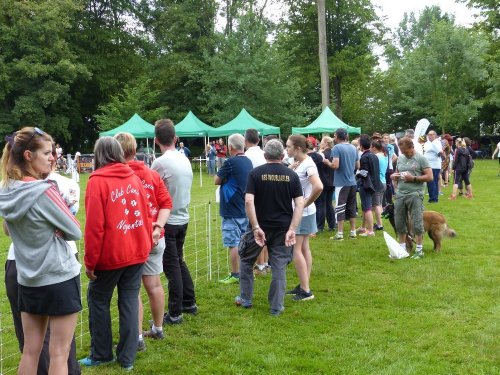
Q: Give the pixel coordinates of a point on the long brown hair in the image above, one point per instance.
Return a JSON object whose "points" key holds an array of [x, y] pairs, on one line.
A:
{"points": [[13, 163]]}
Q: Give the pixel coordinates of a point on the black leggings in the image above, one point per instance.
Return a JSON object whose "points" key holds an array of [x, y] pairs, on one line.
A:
{"points": [[462, 176]]}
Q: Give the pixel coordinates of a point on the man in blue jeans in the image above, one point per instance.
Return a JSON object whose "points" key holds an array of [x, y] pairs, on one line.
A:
{"points": [[433, 150], [233, 180], [175, 170]]}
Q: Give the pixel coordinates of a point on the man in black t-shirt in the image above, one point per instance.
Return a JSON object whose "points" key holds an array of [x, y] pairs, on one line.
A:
{"points": [[270, 191]]}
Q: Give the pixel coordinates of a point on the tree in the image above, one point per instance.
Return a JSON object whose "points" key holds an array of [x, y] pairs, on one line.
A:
{"points": [[248, 72], [413, 31], [352, 26], [440, 76], [323, 57], [135, 98], [183, 33], [107, 38], [489, 92], [38, 67]]}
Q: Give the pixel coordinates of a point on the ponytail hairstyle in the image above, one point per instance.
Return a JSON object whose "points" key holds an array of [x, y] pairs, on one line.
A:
{"points": [[13, 163], [128, 143]]}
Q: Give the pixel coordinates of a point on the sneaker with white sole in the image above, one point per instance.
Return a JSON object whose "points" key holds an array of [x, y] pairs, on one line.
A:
{"points": [[153, 335], [367, 234], [417, 255], [338, 237], [193, 309], [294, 291], [230, 279], [171, 320], [89, 362], [302, 295]]}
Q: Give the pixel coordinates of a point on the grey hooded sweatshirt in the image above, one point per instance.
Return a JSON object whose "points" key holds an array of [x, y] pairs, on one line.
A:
{"points": [[34, 211]]}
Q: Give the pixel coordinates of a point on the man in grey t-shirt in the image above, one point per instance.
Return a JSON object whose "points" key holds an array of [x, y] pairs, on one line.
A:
{"points": [[175, 170], [412, 172]]}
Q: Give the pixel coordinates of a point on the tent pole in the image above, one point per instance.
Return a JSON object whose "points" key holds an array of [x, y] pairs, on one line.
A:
{"points": [[201, 175]]}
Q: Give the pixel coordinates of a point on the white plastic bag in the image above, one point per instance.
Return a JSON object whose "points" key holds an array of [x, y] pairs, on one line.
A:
{"points": [[395, 250]]}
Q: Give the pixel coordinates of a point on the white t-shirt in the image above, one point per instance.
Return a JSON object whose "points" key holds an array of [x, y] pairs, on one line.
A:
{"points": [[69, 189], [498, 146], [417, 146], [256, 156], [306, 169], [431, 153]]}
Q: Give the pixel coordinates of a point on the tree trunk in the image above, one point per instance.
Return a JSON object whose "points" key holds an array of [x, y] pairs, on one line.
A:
{"points": [[337, 85], [323, 61]]}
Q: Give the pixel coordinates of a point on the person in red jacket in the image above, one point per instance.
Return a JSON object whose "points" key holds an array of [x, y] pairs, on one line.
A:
{"points": [[118, 239], [160, 204], [220, 153]]}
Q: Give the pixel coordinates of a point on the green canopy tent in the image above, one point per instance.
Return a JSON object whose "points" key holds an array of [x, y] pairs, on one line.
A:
{"points": [[136, 126], [241, 123], [192, 126], [327, 122]]}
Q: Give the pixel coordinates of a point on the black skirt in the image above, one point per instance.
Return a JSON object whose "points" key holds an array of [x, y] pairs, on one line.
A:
{"points": [[52, 300]]}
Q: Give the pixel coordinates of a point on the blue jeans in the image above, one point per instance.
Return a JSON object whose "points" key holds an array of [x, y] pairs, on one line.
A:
{"points": [[433, 186], [211, 167]]}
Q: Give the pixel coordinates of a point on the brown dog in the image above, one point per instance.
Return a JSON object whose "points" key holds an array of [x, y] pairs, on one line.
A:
{"points": [[434, 224]]}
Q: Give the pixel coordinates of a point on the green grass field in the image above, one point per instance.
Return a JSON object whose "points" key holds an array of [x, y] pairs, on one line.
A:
{"points": [[371, 315]]}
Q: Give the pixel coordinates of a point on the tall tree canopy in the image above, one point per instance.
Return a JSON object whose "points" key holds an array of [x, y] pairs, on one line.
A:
{"points": [[38, 65], [352, 26], [249, 72]]}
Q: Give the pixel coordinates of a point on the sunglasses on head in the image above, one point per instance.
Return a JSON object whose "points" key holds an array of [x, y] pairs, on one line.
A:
{"points": [[35, 132]]}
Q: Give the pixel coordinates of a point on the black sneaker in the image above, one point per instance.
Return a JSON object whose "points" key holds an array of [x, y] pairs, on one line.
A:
{"points": [[294, 291], [168, 319], [378, 227], [193, 310], [302, 295]]}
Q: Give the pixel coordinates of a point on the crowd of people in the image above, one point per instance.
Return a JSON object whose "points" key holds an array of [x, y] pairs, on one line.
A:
{"points": [[273, 200]]}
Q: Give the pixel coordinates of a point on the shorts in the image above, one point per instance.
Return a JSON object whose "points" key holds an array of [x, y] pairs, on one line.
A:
{"points": [[154, 264], [52, 300], [307, 225], [412, 206], [232, 230], [366, 199], [345, 207], [378, 197]]}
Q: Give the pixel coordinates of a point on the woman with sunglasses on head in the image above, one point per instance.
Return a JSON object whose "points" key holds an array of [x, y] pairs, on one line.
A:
{"points": [[40, 223]]}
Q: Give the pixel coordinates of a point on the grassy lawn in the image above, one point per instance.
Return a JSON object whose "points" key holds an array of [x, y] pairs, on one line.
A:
{"points": [[371, 315]]}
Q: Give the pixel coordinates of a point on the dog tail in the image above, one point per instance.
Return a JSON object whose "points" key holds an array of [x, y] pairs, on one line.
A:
{"points": [[450, 232]]}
